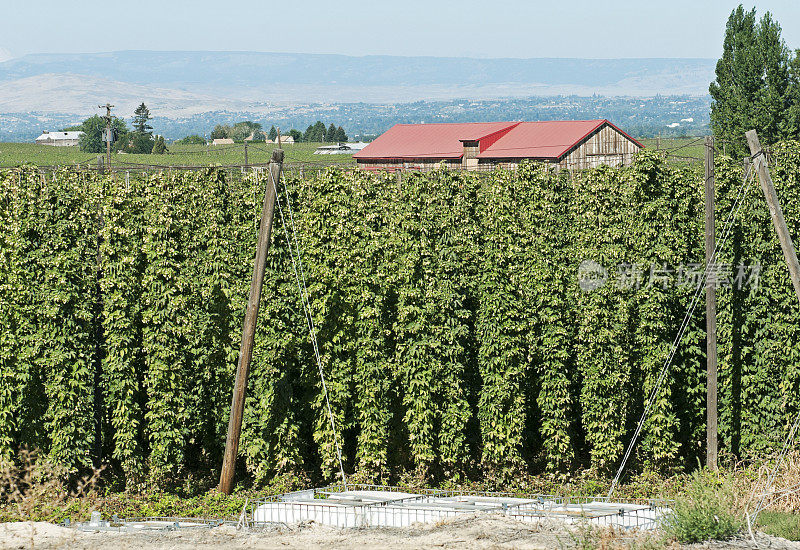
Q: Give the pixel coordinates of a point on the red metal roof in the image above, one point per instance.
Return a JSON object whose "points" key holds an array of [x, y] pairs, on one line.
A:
{"points": [[544, 140], [428, 140], [540, 140]]}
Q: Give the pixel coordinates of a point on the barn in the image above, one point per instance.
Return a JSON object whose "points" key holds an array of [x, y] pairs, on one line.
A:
{"points": [[572, 145]]}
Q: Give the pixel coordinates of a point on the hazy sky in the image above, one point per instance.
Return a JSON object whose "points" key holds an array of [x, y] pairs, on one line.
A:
{"points": [[510, 28]]}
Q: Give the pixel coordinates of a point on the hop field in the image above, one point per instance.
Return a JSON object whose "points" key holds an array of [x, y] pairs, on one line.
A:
{"points": [[456, 340]]}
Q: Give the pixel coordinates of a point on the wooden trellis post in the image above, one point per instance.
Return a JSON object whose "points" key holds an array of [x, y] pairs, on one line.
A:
{"points": [[249, 327], [775, 211]]}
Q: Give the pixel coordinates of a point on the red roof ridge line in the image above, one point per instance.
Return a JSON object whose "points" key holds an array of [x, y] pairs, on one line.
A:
{"points": [[511, 126]]}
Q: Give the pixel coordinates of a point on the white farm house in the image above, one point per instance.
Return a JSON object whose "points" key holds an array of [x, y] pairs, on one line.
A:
{"points": [[59, 139]]}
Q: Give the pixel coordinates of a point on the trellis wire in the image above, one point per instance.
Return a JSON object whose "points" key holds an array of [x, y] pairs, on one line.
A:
{"points": [[303, 290], [787, 444], [741, 195]]}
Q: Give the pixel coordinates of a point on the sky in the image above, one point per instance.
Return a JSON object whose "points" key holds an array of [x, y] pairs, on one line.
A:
{"points": [[499, 28]]}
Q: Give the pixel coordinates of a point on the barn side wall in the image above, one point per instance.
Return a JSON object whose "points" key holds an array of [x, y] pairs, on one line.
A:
{"points": [[607, 146]]}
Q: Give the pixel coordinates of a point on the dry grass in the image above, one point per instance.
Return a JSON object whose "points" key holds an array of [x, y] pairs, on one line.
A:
{"points": [[33, 487], [609, 538], [785, 492], [748, 483]]}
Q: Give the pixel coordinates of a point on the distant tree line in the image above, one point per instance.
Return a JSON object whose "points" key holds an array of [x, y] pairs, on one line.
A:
{"points": [[757, 83], [240, 132], [318, 132], [139, 140], [253, 131], [193, 139]]}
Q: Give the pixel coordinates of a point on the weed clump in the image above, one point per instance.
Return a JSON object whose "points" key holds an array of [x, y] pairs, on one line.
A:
{"points": [[706, 510]]}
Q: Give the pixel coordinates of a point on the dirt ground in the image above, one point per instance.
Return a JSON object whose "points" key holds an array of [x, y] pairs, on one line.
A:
{"points": [[486, 531]]}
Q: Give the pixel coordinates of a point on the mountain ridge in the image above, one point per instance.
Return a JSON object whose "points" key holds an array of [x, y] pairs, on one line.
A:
{"points": [[192, 91], [300, 78]]}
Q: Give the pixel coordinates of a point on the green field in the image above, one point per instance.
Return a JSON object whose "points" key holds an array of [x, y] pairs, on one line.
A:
{"points": [[682, 147], [17, 154]]}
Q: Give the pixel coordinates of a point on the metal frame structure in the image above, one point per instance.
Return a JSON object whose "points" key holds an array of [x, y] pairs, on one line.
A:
{"points": [[363, 505]]}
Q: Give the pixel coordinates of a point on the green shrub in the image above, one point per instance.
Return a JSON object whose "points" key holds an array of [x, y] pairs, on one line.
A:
{"points": [[705, 511], [780, 524]]}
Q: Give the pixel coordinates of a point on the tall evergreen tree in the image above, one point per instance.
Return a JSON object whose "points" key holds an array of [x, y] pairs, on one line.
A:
{"points": [[140, 118], [273, 133], [751, 88], [331, 134], [340, 135], [308, 135], [315, 132], [319, 131], [142, 139], [774, 100]]}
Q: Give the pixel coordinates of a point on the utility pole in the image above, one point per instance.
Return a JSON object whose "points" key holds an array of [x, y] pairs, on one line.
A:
{"points": [[245, 154], [249, 328], [108, 135], [711, 314], [775, 211]]}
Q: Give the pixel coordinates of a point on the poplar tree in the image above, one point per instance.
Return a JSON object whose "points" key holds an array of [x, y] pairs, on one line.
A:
{"points": [[752, 81], [792, 122]]}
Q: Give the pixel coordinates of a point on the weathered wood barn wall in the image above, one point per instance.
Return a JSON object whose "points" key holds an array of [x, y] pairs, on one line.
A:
{"points": [[606, 146]]}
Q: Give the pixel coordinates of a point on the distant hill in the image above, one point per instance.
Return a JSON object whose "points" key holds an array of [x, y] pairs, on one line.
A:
{"points": [[183, 83]]}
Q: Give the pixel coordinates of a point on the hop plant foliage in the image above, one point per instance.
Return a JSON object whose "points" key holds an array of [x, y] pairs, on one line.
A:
{"points": [[454, 338]]}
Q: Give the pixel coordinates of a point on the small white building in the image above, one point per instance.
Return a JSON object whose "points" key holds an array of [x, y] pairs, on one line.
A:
{"points": [[222, 141], [284, 140], [59, 139]]}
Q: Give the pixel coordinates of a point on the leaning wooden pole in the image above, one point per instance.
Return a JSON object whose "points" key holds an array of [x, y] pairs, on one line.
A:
{"points": [[711, 315], [760, 163], [249, 327]]}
